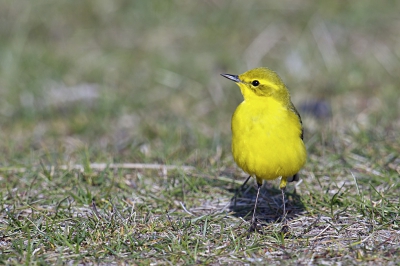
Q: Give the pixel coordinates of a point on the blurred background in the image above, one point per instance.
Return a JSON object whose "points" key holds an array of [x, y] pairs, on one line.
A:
{"points": [[139, 81]]}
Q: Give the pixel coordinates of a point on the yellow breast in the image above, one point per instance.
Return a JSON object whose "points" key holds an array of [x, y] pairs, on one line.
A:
{"points": [[266, 139]]}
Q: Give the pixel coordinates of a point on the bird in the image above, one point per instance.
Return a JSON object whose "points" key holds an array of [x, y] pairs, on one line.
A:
{"points": [[267, 131]]}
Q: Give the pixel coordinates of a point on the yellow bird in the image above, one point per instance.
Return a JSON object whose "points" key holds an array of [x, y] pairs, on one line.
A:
{"points": [[267, 133]]}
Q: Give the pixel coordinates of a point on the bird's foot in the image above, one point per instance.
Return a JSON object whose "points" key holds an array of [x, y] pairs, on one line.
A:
{"points": [[253, 225], [285, 227]]}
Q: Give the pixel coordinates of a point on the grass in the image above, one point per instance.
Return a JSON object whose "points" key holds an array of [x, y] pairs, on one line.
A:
{"points": [[120, 83]]}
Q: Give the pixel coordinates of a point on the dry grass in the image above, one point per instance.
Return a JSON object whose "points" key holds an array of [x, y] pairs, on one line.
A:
{"points": [[115, 132]]}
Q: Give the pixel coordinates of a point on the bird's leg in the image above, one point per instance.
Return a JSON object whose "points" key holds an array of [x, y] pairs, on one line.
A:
{"points": [[253, 224], [282, 186], [285, 227], [284, 204], [244, 183]]}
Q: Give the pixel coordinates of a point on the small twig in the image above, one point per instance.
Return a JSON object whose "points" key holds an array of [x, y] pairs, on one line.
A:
{"points": [[362, 241], [103, 166], [220, 178], [224, 208], [184, 208], [320, 233], [228, 179], [37, 228]]}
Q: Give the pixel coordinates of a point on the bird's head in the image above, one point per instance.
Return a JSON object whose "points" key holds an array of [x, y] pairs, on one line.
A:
{"points": [[260, 82]]}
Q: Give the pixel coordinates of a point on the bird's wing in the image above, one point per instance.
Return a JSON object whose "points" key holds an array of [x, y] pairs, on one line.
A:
{"points": [[294, 110]]}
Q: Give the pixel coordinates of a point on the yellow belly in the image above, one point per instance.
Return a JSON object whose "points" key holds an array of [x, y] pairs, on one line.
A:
{"points": [[266, 140]]}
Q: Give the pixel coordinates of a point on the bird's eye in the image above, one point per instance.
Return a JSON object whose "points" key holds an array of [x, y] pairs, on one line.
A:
{"points": [[255, 83]]}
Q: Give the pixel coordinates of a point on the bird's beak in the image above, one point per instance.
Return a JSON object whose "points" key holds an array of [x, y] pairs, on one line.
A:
{"points": [[235, 78]]}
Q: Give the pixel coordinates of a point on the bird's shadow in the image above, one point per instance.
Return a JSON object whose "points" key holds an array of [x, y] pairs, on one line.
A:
{"points": [[269, 206]]}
